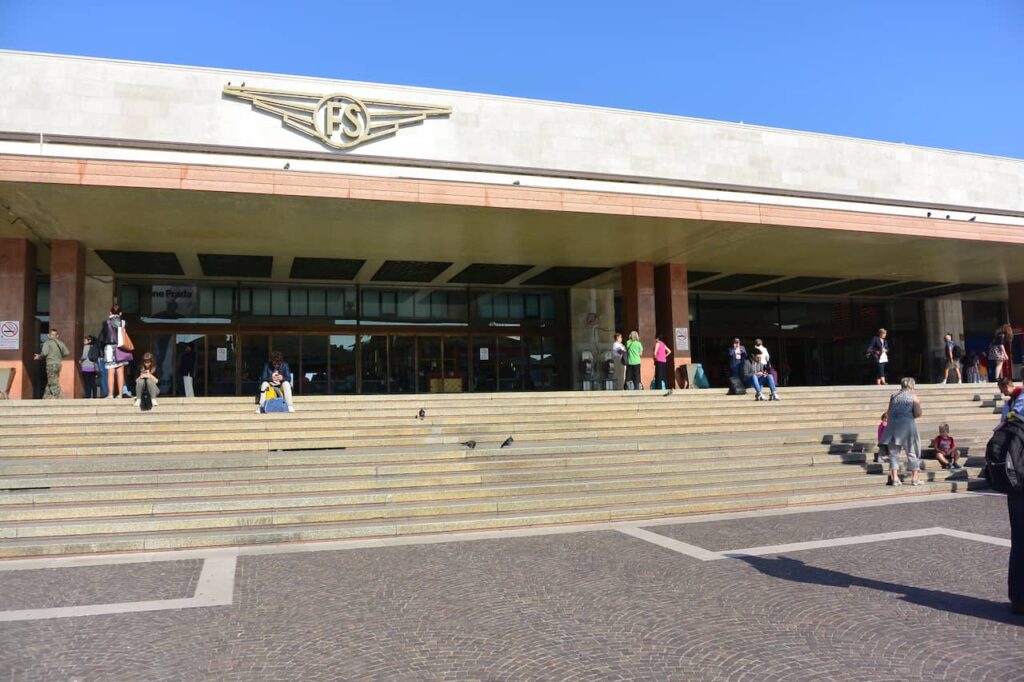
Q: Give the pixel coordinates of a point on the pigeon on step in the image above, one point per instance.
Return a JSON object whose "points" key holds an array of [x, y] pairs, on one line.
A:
{"points": [[471, 444], [508, 442], [422, 414]]}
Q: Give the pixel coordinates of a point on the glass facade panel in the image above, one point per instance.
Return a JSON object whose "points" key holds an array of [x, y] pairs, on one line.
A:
{"points": [[373, 358], [510, 363], [220, 363], [456, 364], [162, 348], [485, 363], [343, 363], [542, 366], [314, 366], [430, 375], [402, 364], [298, 302], [223, 303], [279, 302], [196, 358], [261, 301], [255, 354], [317, 303]]}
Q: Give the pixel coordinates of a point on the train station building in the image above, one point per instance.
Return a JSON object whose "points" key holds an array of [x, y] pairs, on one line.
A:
{"points": [[392, 239]]}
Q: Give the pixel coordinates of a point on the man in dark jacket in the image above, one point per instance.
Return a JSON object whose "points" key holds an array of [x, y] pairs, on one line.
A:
{"points": [[757, 373], [737, 355]]}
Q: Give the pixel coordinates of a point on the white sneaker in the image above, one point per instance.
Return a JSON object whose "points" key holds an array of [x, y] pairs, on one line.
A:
{"points": [[155, 403], [943, 381], [291, 409], [135, 403]]}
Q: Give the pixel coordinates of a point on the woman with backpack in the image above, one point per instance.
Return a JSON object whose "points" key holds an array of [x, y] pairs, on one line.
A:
{"points": [[117, 348], [634, 350], [87, 366]]}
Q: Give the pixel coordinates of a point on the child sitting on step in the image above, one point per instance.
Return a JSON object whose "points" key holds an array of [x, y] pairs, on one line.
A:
{"points": [[946, 450], [881, 429]]}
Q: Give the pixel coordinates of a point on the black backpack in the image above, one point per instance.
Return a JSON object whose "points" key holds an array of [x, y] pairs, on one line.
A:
{"points": [[145, 400], [1004, 458], [957, 353]]}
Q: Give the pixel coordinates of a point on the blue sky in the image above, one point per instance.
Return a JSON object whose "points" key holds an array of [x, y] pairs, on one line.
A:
{"points": [[940, 73]]}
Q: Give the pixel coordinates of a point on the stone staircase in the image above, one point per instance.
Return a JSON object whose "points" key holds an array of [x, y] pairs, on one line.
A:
{"points": [[100, 476]]}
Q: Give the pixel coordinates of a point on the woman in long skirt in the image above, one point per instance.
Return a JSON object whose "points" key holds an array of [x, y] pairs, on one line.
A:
{"points": [[901, 432]]}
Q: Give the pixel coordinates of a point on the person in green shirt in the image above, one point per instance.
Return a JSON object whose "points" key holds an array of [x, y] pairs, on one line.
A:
{"points": [[634, 349], [54, 351]]}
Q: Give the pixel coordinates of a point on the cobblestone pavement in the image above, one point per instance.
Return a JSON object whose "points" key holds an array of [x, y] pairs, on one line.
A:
{"points": [[583, 606]]}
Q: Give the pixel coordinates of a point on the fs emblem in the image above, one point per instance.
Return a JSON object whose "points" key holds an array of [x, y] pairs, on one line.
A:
{"points": [[338, 120]]}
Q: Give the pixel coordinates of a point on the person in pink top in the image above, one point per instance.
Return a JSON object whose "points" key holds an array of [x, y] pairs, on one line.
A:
{"points": [[881, 429], [661, 353]]}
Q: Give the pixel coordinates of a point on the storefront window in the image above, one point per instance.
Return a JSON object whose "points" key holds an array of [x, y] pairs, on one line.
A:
{"points": [[373, 358], [343, 363]]}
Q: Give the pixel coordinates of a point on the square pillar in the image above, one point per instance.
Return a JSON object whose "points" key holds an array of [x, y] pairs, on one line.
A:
{"points": [[67, 307], [1015, 304], [638, 312], [672, 303], [18, 305]]}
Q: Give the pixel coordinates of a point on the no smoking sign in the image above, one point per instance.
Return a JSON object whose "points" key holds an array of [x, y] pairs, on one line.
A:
{"points": [[10, 335]]}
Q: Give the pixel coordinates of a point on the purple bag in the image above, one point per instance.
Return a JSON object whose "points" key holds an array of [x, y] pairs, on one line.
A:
{"points": [[122, 355]]}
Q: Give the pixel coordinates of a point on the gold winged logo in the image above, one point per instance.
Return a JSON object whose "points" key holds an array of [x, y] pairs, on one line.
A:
{"points": [[338, 120]]}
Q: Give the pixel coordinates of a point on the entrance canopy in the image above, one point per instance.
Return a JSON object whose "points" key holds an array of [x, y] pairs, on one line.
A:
{"points": [[191, 211]]}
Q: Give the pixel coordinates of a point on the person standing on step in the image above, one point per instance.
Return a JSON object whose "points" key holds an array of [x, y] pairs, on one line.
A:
{"points": [[634, 351], [1014, 406], [661, 353], [53, 352], [147, 379], [277, 374], [737, 354], [756, 373], [766, 357], [187, 369], [878, 352], [619, 356], [901, 432], [87, 366], [951, 354], [999, 353], [113, 339]]}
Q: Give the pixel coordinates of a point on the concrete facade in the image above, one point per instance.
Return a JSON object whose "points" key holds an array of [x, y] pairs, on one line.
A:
{"points": [[105, 98]]}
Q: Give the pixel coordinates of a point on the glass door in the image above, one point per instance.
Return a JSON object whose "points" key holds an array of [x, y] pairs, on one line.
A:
{"points": [[510, 363], [220, 363], [485, 362], [343, 363], [255, 354], [373, 363], [456, 364], [430, 376], [190, 352], [314, 366], [402, 363]]}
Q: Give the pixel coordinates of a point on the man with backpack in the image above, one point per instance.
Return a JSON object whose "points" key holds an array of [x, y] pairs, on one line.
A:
{"points": [[951, 354], [1004, 470], [54, 351]]}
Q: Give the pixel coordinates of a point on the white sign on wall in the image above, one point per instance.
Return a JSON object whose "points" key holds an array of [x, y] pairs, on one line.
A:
{"points": [[485, 353], [222, 355], [10, 335], [682, 340]]}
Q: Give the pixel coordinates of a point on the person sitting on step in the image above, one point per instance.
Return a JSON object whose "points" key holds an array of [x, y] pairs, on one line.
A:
{"points": [[946, 450], [146, 379], [756, 373], [277, 374]]}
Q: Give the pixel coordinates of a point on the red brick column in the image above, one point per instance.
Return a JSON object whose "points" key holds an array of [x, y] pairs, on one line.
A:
{"points": [[18, 303], [639, 312], [67, 307], [672, 301]]}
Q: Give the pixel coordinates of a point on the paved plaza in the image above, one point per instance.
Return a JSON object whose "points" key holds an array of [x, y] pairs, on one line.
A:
{"points": [[807, 594]]}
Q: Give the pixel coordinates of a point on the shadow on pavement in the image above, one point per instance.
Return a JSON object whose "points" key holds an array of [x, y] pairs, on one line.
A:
{"points": [[794, 570]]}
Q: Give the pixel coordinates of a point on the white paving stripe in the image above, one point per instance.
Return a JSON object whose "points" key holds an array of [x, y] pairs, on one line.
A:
{"points": [[215, 587], [708, 555]]}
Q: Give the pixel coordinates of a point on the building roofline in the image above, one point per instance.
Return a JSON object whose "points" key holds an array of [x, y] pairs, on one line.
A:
{"points": [[232, 73]]}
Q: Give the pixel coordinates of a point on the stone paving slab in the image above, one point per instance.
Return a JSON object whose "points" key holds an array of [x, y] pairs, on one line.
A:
{"points": [[594, 605], [80, 586], [975, 514]]}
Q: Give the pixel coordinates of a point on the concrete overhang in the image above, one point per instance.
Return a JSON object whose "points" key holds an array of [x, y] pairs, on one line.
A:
{"points": [[195, 209]]}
